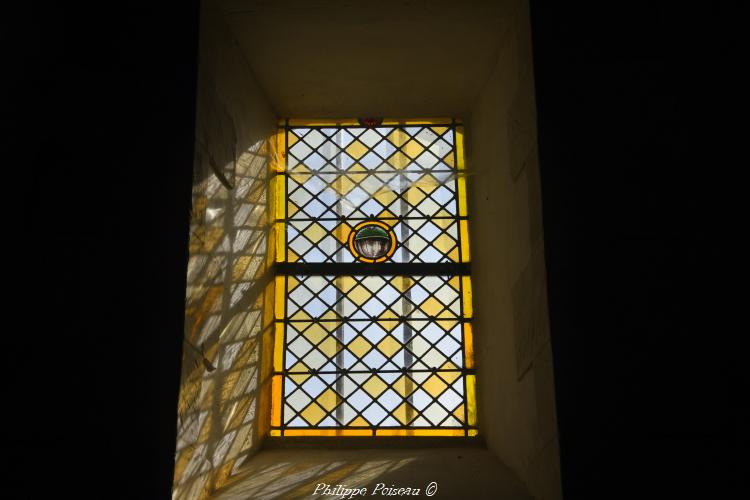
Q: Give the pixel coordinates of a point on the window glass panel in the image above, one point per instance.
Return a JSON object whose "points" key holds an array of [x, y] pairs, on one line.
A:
{"points": [[383, 353], [404, 176]]}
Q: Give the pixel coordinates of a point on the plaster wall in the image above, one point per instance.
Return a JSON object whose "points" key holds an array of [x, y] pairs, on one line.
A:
{"points": [[514, 360], [394, 58], [455, 472], [221, 406]]}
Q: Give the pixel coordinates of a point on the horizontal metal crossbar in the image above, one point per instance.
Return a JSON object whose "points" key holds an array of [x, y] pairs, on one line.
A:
{"points": [[376, 427], [378, 370], [376, 269], [364, 127], [382, 218], [397, 319]]}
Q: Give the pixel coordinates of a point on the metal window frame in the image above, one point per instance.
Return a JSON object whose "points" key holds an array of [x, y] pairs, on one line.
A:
{"points": [[383, 269]]}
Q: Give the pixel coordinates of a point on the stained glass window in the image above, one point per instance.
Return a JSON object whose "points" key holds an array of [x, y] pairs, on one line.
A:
{"points": [[373, 293]]}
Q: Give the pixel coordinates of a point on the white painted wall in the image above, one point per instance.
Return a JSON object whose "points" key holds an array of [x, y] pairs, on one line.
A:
{"points": [[514, 359], [219, 410]]}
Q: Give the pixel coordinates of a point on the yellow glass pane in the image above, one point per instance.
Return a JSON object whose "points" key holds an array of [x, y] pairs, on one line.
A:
{"points": [[292, 140], [357, 173], [446, 314], [384, 196], [276, 163], [280, 294], [431, 306], [330, 317], [458, 413], [455, 283], [449, 160], [278, 348], [278, 190], [387, 324], [449, 376], [356, 149], [419, 432], [343, 185], [389, 346], [315, 232], [460, 147], [399, 160], [453, 255], [412, 148], [328, 399], [275, 432], [359, 422], [329, 347], [291, 283], [428, 183], [444, 243], [327, 432], [468, 309], [276, 400], [468, 346], [313, 413], [341, 232], [291, 209], [300, 316], [447, 325], [473, 432], [386, 214], [404, 413], [299, 378], [279, 234], [402, 283], [359, 346], [471, 399], [291, 256], [300, 174], [359, 295], [398, 137], [404, 386], [434, 386], [314, 122], [374, 386], [388, 121], [414, 195], [461, 194], [465, 249], [315, 333], [417, 121]]}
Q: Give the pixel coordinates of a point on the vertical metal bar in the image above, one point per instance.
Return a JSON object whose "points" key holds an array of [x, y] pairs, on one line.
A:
{"points": [[460, 280], [406, 304], [456, 190], [339, 283], [282, 403]]}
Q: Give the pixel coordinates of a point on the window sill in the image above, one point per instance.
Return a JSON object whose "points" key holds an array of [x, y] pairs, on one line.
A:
{"points": [[369, 442]]}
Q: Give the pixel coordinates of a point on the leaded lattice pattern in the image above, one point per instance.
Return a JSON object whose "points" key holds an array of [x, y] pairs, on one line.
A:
{"points": [[384, 353], [403, 176], [366, 351]]}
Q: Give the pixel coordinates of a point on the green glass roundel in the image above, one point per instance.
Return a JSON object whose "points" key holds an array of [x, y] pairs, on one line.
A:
{"points": [[371, 232], [372, 242]]}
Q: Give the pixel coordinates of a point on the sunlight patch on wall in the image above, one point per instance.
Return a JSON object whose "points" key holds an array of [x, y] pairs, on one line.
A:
{"points": [[227, 320]]}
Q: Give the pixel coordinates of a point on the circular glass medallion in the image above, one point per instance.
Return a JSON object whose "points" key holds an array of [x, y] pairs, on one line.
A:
{"points": [[372, 241]]}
